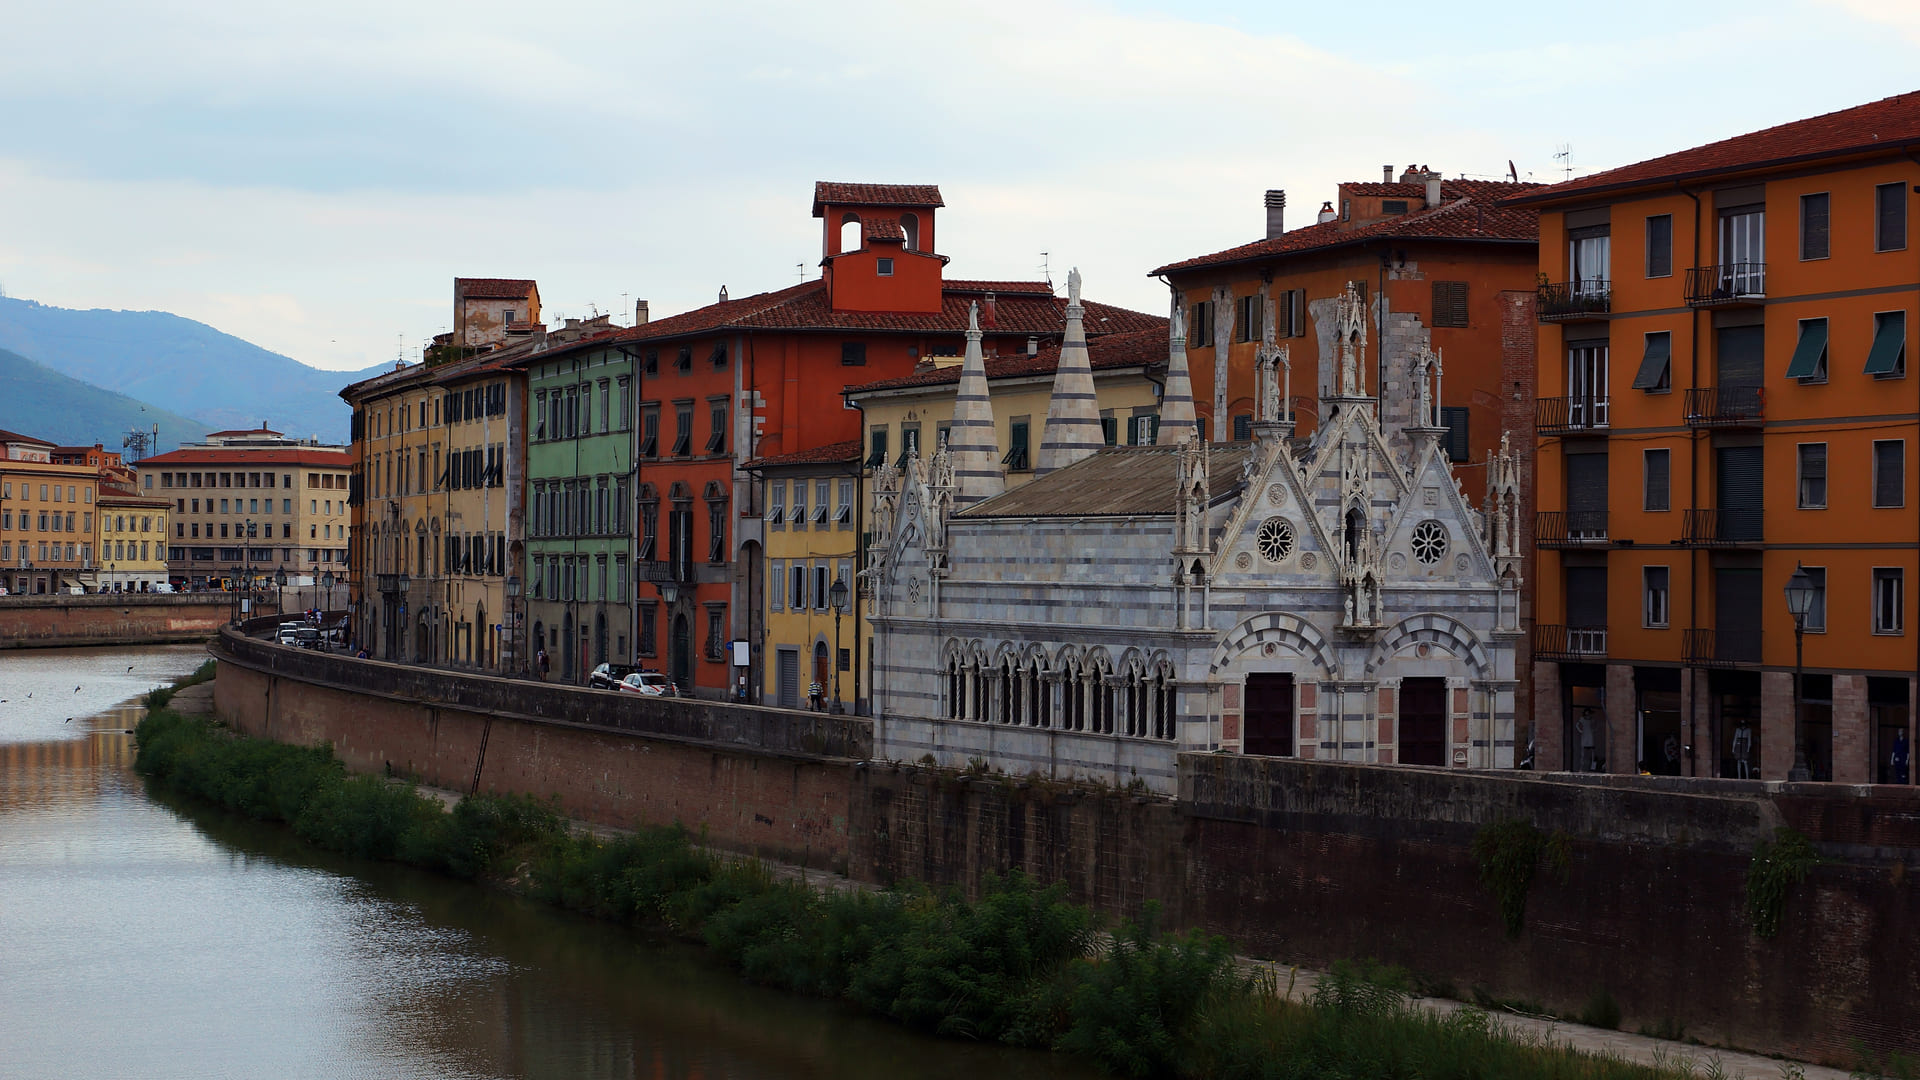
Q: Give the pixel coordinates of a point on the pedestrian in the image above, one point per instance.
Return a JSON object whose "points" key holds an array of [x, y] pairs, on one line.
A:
{"points": [[542, 664], [1899, 757]]}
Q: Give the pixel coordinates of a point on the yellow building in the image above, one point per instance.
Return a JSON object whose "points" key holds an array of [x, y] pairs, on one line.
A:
{"points": [[813, 528], [46, 518], [132, 540], [477, 488], [398, 450]]}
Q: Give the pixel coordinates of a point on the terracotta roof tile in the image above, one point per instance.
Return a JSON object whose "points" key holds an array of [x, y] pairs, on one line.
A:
{"points": [[885, 228], [999, 288], [1470, 210], [834, 193], [1119, 480], [334, 459], [16, 437], [1883, 125], [246, 431], [831, 454], [487, 288], [1134, 348], [1391, 190]]}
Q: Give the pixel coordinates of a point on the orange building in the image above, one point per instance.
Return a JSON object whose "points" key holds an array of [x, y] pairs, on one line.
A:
{"points": [[762, 376], [1724, 399]]}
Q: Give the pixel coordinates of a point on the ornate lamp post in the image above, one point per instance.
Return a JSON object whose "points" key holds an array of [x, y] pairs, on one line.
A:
{"points": [[513, 623], [280, 590], [669, 593], [326, 582], [1799, 591], [837, 593]]}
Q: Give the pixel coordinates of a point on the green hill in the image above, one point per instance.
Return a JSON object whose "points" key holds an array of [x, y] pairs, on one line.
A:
{"points": [[39, 401]]}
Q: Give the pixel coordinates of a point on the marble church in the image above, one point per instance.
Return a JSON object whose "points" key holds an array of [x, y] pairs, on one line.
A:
{"points": [[1331, 597]]}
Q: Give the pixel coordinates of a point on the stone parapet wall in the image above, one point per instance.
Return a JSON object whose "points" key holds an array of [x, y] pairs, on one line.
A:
{"points": [[58, 621]]}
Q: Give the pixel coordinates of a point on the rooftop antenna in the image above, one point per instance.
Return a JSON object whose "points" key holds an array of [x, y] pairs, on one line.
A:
{"points": [[801, 269], [1045, 273], [1564, 155], [624, 306], [1513, 174]]}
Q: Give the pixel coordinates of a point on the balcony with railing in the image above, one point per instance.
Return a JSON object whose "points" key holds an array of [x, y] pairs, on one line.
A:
{"points": [[1570, 415], [1724, 527], [1552, 641], [1570, 528], [1722, 647], [1726, 285], [1573, 301], [1726, 406]]}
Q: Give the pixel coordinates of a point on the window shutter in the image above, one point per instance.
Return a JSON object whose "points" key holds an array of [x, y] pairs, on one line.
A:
{"points": [[1659, 480], [1889, 473], [1653, 365], [1459, 449], [1450, 303]]}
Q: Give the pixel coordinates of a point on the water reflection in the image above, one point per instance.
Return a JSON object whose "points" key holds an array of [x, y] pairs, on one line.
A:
{"points": [[154, 940]]}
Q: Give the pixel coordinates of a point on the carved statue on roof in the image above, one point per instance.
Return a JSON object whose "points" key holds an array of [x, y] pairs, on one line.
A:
{"points": [[1350, 321]]}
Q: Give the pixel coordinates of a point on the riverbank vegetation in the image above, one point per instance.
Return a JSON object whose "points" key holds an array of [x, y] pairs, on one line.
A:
{"points": [[1019, 965]]}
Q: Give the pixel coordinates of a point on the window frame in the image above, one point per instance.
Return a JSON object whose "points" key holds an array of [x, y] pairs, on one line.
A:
{"points": [[883, 267], [1800, 476], [1901, 457], [1817, 575], [1646, 480], [1899, 370], [1667, 246], [1648, 593], [1821, 368], [1899, 189], [1897, 575], [1826, 203], [1450, 302]]}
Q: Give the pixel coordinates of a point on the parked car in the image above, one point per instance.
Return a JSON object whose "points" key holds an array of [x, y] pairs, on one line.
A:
{"points": [[608, 676], [307, 637], [650, 684], [283, 635]]}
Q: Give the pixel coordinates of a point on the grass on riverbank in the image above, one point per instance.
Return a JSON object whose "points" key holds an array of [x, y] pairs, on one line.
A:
{"points": [[1021, 965]]}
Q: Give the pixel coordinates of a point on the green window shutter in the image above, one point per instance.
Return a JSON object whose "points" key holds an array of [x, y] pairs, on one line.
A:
{"points": [[1653, 366], [1109, 429], [1456, 444], [1811, 350], [1889, 343]]}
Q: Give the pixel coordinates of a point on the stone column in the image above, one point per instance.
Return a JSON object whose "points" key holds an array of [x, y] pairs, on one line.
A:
{"points": [[1387, 710], [1307, 745], [1622, 732], [1853, 748], [1549, 720], [1230, 716], [1776, 724]]}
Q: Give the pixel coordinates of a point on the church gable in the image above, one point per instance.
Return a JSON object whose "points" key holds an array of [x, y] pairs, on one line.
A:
{"points": [[1274, 528], [1433, 535]]}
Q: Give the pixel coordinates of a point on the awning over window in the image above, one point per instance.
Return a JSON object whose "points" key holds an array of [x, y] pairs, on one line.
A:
{"points": [[1889, 343], [1653, 366], [1811, 351]]}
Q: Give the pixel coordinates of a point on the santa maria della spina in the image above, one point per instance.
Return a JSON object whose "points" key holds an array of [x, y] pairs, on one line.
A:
{"points": [[1333, 597]]}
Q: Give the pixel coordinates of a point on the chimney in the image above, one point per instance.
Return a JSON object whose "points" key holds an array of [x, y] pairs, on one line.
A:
{"points": [[1033, 345], [639, 313], [989, 314], [1327, 212], [723, 294], [1433, 188], [1276, 212], [1386, 174]]}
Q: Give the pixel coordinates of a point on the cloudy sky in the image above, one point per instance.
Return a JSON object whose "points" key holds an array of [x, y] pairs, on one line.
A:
{"points": [[311, 177]]}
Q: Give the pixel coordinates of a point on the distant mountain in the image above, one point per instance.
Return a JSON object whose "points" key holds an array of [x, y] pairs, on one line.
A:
{"points": [[181, 365], [45, 404]]}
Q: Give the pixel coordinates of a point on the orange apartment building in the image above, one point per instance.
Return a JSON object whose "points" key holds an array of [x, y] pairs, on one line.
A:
{"points": [[762, 376], [1724, 398]]}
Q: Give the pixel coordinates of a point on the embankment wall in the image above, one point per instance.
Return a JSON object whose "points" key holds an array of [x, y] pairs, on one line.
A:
{"points": [[1307, 862], [54, 620]]}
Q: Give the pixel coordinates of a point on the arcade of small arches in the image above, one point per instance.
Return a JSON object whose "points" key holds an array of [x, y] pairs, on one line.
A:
{"points": [[1073, 689]]}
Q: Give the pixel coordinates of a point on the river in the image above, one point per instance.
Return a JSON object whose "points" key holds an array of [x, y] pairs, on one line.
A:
{"points": [[143, 939]]}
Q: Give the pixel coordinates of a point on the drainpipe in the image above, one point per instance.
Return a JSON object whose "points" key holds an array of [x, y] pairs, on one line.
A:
{"points": [[1693, 504]]}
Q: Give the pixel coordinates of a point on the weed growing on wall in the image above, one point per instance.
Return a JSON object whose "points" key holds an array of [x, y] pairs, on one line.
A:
{"points": [[1778, 865], [1509, 852], [1020, 964]]}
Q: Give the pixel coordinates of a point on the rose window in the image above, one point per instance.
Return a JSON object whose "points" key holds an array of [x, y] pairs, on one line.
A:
{"points": [[1275, 539], [1429, 542]]}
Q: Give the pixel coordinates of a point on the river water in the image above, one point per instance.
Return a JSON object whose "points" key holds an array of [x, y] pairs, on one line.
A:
{"points": [[140, 939]]}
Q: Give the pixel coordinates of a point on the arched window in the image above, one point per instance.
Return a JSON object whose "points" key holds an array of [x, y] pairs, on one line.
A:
{"points": [[850, 232], [1040, 694], [1164, 693], [910, 224], [1356, 527], [953, 687], [1009, 691]]}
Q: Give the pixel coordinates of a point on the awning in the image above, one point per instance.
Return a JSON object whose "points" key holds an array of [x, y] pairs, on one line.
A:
{"points": [[1810, 354], [1653, 366], [1889, 344]]}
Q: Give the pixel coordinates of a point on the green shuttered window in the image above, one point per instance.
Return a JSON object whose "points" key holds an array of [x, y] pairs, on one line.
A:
{"points": [[1810, 355]]}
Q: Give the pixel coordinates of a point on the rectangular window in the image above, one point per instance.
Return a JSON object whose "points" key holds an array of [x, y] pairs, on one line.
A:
{"points": [[624, 387], [1888, 357], [716, 631], [883, 267], [650, 365], [1813, 476], [1654, 610], [822, 491], [777, 503], [717, 421], [1242, 427], [649, 430], [1817, 610], [1814, 215], [777, 595], [1455, 442], [682, 430], [876, 448], [1393, 207], [683, 361], [1589, 255], [1656, 480], [853, 354], [1248, 316], [1450, 303], [719, 355], [1142, 429], [1809, 363], [716, 532], [797, 588], [909, 442], [649, 529], [606, 405], [1889, 600], [1889, 472], [1200, 325], [1660, 245], [1109, 429], [799, 515], [647, 643], [1890, 217], [820, 586], [1019, 445], [843, 505]]}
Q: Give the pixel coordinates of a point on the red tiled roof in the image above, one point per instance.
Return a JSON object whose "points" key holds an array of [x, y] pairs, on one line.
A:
{"points": [[804, 307], [1884, 125], [1391, 190], [334, 459], [16, 437], [999, 288], [488, 288], [834, 193], [885, 228], [119, 496], [830, 454], [246, 431], [1470, 210], [1134, 348]]}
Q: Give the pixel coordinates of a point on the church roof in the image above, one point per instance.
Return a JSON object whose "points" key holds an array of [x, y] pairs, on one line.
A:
{"points": [[1118, 481]]}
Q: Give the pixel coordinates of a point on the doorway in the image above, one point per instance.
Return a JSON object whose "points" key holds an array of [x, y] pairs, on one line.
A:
{"points": [[1585, 717], [682, 639], [1423, 721], [566, 646], [1660, 743], [787, 679], [820, 683], [599, 638], [1269, 723]]}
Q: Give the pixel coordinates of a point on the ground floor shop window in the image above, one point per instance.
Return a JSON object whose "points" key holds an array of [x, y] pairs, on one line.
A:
{"points": [[1735, 697], [1659, 715], [1586, 717], [1888, 714]]}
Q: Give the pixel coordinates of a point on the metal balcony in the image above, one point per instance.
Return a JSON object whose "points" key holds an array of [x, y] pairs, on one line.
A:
{"points": [[1570, 528], [1722, 648], [1570, 416], [1574, 301], [1727, 285], [1723, 527], [1726, 406], [1552, 641]]}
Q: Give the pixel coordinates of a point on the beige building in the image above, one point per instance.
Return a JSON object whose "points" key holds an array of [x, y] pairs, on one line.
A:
{"points": [[46, 518], [250, 505], [487, 311], [133, 540]]}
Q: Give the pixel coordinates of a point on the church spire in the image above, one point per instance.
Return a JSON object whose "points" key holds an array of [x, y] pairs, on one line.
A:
{"points": [[1073, 415], [975, 447], [1177, 421]]}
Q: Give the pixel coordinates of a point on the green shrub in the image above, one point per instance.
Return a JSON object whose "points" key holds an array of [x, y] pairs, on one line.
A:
{"points": [[1131, 1010], [1601, 1011], [1778, 865]]}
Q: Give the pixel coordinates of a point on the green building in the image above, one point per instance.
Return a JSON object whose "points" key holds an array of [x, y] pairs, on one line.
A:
{"points": [[580, 475]]}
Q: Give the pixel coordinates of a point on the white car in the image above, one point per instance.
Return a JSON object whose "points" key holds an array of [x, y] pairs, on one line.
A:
{"points": [[649, 683], [284, 635]]}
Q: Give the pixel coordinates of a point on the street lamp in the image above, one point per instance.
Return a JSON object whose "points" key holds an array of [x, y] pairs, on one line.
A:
{"points": [[280, 590], [1799, 591], [326, 582], [837, 593], [513, 621]]}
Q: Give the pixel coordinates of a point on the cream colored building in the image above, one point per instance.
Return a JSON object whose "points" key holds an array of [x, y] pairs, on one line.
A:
{"points": [[46, 518], [133, 541]]}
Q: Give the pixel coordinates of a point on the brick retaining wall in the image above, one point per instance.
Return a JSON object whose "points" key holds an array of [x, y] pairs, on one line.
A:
{"points": [[64, 620]]}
